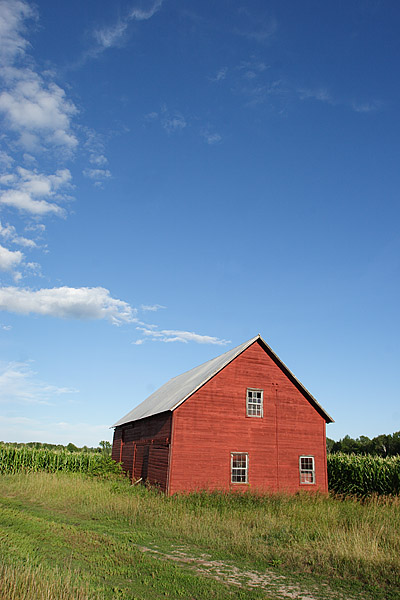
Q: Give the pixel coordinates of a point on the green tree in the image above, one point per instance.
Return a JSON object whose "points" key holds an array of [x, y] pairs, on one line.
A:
{"points": [[72, 448], [105, 447], [329, 445]]}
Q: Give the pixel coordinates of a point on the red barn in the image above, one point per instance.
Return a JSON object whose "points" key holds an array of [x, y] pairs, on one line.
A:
{"points": [[237, 421]]}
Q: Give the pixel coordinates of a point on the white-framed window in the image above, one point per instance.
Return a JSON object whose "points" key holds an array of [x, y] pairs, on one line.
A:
{"points": [[307, 469], [239, 467], [254, 402]]}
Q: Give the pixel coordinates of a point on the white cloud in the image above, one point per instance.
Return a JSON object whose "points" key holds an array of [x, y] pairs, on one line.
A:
{"points": [[174, 335], [34, 268], [18, 384], [211, 138], [37, 227], [113, 35], [151, 307], [366, 107], [29, 159], [9, 260], [107, 37], [320, 94], [35, 116], [152, 116], [94, 144], [67, 303], [174, 123], [6, 160], [30, 191], [142, 14], [33, 106], [171, 122], [220, 75], [99, 160], [97, 174], [252, 69], [12, 17], [38, 111], [9, 233]]}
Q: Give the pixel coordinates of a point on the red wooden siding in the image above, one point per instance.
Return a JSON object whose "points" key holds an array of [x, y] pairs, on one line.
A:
{"points": [[158, 465], [212, 423], [143, 448], [116, 447]]}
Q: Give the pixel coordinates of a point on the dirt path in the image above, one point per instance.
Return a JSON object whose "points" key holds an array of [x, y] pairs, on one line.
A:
{"points": [[279, 586]]}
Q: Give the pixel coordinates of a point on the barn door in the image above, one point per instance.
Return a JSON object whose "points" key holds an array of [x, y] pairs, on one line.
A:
{"points": [[141, 467], [127, 457]]}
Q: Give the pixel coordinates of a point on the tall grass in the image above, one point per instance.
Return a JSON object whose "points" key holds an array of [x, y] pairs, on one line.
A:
{"points": [[363, 475], [340, 539], [34, 582], [14, 460]]}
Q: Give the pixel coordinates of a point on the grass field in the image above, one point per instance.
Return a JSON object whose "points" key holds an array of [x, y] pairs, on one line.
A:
{"points": [[84, 538]]}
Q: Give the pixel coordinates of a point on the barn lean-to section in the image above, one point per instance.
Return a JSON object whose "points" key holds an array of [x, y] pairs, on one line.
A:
{"points": [[240, 420], [143, 448]]}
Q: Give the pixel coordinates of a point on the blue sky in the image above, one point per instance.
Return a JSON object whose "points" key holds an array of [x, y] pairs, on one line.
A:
{"points": [[178, 176]]}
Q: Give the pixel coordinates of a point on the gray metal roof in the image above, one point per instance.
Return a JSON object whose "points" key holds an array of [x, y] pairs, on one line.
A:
{"points": [[170, 395]]}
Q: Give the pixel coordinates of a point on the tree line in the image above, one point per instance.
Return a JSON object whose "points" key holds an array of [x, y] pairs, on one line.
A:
{"points": [[381, 445], [104, 447]]}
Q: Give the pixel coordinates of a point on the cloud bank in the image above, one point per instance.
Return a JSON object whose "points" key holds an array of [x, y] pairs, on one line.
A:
{"points": [[67, 303]]}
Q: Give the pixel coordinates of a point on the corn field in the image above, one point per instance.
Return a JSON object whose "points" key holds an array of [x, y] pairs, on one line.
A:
{"points": [[347, 473], [15, 460], [363, 475]]}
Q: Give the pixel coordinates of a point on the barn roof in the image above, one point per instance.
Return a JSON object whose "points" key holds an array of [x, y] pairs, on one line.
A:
{"points": [[178, 389]]}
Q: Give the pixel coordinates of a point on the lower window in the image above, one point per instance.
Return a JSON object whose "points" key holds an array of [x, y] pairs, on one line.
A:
{"points": [[239, 467], [307, 469]]}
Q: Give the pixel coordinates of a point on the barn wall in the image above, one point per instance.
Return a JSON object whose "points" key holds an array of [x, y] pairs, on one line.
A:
{"points": [[213, 423], [143, 448]]}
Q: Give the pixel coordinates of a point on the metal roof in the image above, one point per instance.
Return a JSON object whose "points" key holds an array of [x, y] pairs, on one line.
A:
{"points": [[170, 395]]}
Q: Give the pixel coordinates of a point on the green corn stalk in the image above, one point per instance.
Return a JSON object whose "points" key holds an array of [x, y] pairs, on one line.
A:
{"points": [[364, 475]]}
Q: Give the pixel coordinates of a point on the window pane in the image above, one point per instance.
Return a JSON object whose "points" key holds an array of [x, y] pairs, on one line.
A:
{"points": [[254, 403], [239, 468], [307, 469]]}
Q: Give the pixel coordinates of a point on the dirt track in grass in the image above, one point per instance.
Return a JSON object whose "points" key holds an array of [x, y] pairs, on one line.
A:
{"points": [[228, 573]]}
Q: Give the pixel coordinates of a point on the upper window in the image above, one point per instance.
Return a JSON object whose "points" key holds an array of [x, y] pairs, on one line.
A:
{"points": [[307, 469], [254, 404], [239, 467]]}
